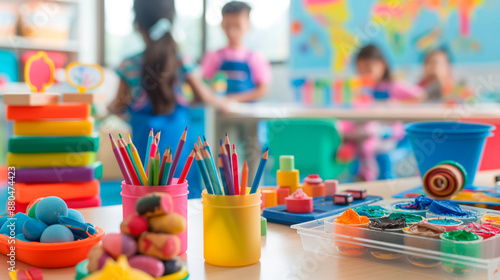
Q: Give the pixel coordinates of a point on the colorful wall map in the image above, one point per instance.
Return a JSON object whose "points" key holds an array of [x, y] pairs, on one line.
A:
{"points": [[326, 34]]}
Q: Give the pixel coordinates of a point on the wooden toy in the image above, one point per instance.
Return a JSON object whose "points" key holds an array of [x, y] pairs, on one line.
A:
{"points": [[331, 187], [39, 75], [283, 192], [313, 186], [59, 174], [49, 209], [299, 202], [263, 226], [25, 193], [271, 196], [288, 176], [117, 244], [56, 234], [48, 112], [357, 193], [84, 77], [51, 159], [54, 128], [342, 198], [56, 144]]}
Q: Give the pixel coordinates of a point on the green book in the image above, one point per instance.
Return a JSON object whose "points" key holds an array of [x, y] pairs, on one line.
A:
{"points": [[54, 144]]}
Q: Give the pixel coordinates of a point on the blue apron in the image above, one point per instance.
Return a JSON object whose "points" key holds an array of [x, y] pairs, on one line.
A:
{"points": [[239, 76]]}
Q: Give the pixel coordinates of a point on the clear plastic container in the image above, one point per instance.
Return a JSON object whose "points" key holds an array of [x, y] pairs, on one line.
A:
{"points": [[429, 256]]}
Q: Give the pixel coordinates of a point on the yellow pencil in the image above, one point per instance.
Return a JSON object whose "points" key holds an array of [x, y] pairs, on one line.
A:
{"points": [[138, 162]]}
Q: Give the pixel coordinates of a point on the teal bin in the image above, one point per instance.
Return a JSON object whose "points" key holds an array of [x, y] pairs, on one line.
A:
{"points": [[313, 143]]}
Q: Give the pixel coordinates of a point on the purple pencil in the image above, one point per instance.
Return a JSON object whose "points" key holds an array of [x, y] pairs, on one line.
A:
{"points": [[227, 173], [177, 155], [121, 163]]}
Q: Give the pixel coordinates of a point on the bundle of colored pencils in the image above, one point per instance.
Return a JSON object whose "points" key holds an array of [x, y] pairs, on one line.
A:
{"points": [[154, 171], [229, 181]]}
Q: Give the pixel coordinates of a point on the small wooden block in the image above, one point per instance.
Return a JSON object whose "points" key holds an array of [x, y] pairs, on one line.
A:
{"points": [[30, 99], [50, 159], [90, 98], [54, 128], [48, 112], [27, 192], [54, 144]]}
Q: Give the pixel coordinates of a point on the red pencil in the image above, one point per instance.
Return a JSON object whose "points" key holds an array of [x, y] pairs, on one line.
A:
{"points": [[235, 172], [119, 159], [244, 179], [128, 163], [153, 149], [187, 166]]}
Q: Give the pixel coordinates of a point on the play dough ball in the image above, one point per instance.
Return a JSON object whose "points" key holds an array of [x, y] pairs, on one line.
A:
{"points": [[75, 215], [49, 209], [170, 223], [160, 245], [154, 204], [117, 244], [22, 237], [3, 219], [150, 265], [172, 266], [134, 225], [97, 258], [16, 224], [33, 229], [30, 210], [56, 234]]}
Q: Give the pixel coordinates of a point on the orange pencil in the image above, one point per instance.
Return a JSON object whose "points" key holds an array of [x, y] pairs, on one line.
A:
{"points": [[244, 179], [128, 163], [235, 172], [187, 166]]}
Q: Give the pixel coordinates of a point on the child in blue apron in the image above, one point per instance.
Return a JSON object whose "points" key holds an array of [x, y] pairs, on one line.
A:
{"points": [[151, 82], [247, 73]]}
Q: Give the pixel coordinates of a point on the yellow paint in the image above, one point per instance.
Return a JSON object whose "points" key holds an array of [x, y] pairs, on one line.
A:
{"points": [[79, 87], [51, 159], [54, 128], [27, 68]]}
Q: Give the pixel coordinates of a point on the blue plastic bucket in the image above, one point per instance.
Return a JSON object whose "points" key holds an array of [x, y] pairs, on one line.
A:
{"points": [[434, 142]]}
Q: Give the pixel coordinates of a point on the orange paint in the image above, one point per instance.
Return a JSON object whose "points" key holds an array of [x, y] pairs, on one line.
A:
{"points": [[350, 217]]}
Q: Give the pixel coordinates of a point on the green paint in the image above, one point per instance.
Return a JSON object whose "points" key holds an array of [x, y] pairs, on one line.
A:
{"points": [[460, 235], [409, 218]]}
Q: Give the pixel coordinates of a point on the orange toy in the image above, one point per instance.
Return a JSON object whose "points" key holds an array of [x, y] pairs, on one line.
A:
{"points": [[270, 197], [49, 112], [51, 255], [27, 192], [313, 186]]}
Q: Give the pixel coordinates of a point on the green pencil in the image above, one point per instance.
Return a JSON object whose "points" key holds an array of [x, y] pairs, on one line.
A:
{"points": [[156, 177], [151, 171], [166, 169]]}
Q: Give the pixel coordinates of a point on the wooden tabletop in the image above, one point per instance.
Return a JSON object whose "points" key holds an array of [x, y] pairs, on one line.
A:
{"points": [[282, 254]]}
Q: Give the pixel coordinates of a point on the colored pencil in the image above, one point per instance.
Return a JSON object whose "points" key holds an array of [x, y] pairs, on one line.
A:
{"points": [[222, 175], [166, 169], [154, 148], [209, 163], [227, 145], [157, 136], [203, 170], [163, 159], [227, 170], [146, 156], [235, 172], [128, 163], [129, 151], [177, 155], [151, 171], [137, 159], [156, 178], [186, 168], [119, 160], [260, 171], [244, 179]]}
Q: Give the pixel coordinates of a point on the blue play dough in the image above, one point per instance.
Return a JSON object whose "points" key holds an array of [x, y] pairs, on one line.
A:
{"points": [[79, 230], [22, 237], [420, 203], [3, 219], [56, 234], [18, 220], [49, 209], [449, 208], [33, 229], [75, 215]]}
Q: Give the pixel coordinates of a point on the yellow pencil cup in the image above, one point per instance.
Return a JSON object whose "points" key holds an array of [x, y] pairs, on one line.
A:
{"points": [[231, 229]]}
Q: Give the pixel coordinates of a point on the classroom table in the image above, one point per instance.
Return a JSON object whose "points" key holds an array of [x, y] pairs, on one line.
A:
{"points": [[282, 253]]}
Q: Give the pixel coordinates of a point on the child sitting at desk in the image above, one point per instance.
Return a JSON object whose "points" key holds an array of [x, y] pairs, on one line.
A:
{"points": [[248, 74], [437, 77], [150, 83]]}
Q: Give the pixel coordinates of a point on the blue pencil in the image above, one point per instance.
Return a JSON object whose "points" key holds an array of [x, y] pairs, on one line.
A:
{"points": [[223, 175], [203, 170], [260, 171], [210, 164], [148, 147]]}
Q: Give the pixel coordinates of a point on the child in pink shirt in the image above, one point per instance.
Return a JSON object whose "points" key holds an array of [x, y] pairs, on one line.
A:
{"points": [[248, 73]]}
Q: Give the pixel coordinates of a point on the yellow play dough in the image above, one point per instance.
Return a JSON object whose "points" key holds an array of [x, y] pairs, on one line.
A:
{"points": [[54, 128]]}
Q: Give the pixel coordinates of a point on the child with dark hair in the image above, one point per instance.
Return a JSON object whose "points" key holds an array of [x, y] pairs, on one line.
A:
{"points": [[248, 74], [437, 77], [150, 84], [371, 64]]}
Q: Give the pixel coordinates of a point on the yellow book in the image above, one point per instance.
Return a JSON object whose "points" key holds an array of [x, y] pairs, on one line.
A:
{"points": [[51, 159], [54, 128]]}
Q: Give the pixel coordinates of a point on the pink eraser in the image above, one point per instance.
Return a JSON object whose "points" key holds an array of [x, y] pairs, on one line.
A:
{"points": [[357, 193], [342, 198], [299, 202], [331, 187]]}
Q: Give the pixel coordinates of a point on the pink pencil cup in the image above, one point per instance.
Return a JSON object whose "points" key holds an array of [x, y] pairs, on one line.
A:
{"points": [[179, 192]]}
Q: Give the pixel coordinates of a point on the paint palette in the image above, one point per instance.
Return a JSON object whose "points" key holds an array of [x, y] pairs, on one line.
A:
{"points": [[323, 207]]}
